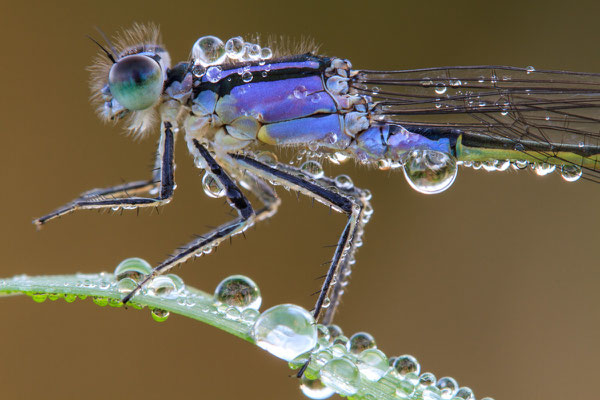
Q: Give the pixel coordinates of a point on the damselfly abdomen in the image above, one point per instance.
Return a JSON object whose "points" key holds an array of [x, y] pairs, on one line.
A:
{"points": [[232, 99]]}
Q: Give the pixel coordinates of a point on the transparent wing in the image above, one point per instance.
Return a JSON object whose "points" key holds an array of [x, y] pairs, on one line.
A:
{"points": [[544, 113]]}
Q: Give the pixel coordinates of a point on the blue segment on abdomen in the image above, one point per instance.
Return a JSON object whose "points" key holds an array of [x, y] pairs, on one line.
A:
{"points": [[325, 130], [277, 100]]}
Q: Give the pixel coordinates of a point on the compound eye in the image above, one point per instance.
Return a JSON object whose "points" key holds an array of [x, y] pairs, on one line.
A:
{"points": [[136, 82]]}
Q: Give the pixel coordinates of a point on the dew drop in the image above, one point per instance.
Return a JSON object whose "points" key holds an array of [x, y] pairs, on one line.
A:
{"points": [[247, 76], [448, 387], [300, 92], [162, 286], [133, 268], [286, 331], [212, 187], [249, 315], [198, 70], [440, 88], [426, 82], [314, 388], [126, 285], [426, 379], [530, 69], [361, 341], [39, 297], [214, 74], [465, 393], [209, 50], [266, 53], [343, 182], [432, 393], [312, 169], [179, 284], [406, 364], [234, 47], [341, 375], [373, 364], [571, 172], [543, 169], [159, 315], [430, 171], [238, 291], [100, 301]]}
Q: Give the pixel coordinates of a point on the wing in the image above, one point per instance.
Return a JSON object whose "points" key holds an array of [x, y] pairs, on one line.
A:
{"points": [[548, 116]]}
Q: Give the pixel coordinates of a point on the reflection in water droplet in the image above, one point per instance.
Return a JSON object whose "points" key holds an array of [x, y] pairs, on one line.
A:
{"points": [[407, 364], [234, 47], [361, 341], [286, 331], [132, 268], [343, 182], [312, 169], [430, 171], [212, 187], [373, 364], [465, 393], [448, 387], [214, 74], [440, 88], [571, 172], [341, 375], [209, 50], [314, 388], [247, 76], [162, 286], [238, 291], [159, 315], [426, 379]]}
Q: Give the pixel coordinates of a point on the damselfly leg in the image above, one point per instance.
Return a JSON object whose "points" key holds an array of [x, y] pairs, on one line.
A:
{"points": [[121, 195], [352, 201]]}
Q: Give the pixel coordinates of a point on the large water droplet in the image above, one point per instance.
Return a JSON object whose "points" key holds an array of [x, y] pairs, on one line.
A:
{"points": [[159, 315], [209, 50], [426, 379], [360, 341], [571, 172], [341, 375], [212, 187], [313, 169], [214, 74], [234, 47], [238, 291], [286, 331], [465, 393], [133, 268], [314, 388], [373, 364], [430, 171]]}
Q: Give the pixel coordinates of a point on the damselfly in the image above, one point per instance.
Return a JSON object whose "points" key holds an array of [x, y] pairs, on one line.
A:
{"points": [[230, 100]]}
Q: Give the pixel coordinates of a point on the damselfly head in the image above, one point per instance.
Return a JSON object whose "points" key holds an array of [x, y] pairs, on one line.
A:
{"points": [[127, 78]]}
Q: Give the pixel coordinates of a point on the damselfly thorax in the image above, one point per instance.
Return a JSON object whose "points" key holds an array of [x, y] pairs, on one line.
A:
{"points": [[232, 98]]}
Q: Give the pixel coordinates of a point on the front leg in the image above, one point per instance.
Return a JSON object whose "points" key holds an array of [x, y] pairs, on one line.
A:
{"points": [[122, 195], [237, 200]]}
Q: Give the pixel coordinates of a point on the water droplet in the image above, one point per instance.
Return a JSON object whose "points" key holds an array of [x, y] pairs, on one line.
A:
{"points": [[430, 171], [373, 364], [101, 301], [314, 388], [315, 97], [238, 291], [286, 331], [126, 285], [214, 74], [267, 158], [39, 297], [249, 315], [448, 387], [571, 172], [426, 379], [361, 341], [465, 393], [544, 169], [407, 364], [179, 284], [432, 393], [426, 82], [312, 169], [212, 187], [341, 375], [300, 92], [440, 88], [69, 298], [198, 70], [234, 47], [266, 53], [133, 268], [247, 76], [209, 50], [530, 69], [162, 286], [159, 315], [455, 82], [343, 182]]}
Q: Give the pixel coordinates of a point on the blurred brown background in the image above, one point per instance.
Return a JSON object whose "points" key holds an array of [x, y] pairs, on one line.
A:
{"points": [[494, 282]]}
